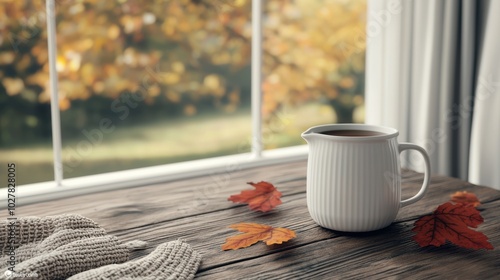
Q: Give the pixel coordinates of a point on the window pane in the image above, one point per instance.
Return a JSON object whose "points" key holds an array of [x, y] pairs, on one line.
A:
{"points": [[152, 82], [144, 83], [314, 56], [25, 132]]}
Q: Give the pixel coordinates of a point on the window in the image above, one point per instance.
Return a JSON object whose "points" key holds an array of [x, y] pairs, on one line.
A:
{"points": [[148, 83], [25, 128]]}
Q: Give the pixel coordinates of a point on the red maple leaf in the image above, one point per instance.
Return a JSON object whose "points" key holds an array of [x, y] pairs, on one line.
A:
{"points": [[263, 198], [451, 222]]}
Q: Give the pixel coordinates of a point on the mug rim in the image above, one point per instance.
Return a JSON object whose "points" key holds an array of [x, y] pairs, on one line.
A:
{"points": [[388, 132]]}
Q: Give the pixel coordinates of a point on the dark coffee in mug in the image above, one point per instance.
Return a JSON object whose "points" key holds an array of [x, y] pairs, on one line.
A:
{"points": [[352, 133]]}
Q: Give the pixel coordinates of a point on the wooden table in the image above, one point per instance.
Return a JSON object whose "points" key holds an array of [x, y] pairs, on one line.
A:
{"points": [[197, 210]]}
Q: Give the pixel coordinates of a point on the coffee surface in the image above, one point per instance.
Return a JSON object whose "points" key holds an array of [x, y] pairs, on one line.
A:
{"points": [[352, 133]]}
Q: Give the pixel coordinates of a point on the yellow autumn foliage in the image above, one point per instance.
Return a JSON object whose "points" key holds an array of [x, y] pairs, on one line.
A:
{"points": [[313, 50]]}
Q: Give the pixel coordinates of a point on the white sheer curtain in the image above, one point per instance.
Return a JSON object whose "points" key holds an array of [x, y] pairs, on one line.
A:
{"points": [[484, 164], [431, 69]]}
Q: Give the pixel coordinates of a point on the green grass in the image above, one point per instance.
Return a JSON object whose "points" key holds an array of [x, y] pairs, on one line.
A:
{"points": [[165, 142]]}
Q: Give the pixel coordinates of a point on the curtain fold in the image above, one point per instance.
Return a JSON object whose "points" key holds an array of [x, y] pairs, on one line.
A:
{"points": [[484, 165], [421, 71]]}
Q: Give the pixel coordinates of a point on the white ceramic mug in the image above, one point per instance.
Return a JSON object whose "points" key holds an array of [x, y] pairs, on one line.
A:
{"points": [[354, 182]]}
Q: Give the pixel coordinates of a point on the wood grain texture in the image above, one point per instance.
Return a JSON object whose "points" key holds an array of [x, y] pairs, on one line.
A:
{"points": [[197, 210]]}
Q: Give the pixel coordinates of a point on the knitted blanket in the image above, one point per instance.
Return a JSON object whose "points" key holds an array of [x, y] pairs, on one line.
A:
{"points": [[75, 247]]}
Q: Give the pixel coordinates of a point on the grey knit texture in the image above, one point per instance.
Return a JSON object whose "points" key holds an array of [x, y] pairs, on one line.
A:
{"points": [[172, 260], [59, 247]]}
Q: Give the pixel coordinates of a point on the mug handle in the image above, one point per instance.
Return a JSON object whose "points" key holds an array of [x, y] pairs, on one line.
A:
{"points": [[425, 184]]}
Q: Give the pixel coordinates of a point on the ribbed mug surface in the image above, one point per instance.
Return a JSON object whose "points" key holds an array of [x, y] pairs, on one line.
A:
{"points": [[353, 183]]}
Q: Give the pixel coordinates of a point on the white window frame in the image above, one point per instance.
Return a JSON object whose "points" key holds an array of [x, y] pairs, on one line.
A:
{"points": [[60, 187]]}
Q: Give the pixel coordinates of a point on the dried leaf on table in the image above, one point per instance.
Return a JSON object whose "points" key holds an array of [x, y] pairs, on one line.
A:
{"points": [[466, 198], [253, 233], [263, 198]]}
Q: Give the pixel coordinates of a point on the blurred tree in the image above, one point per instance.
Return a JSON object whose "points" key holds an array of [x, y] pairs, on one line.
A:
{"points": [[181, 56], [315, 50]]}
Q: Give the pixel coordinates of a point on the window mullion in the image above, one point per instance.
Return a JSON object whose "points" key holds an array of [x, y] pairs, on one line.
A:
{"points": [[257, 78], [54, 96]]}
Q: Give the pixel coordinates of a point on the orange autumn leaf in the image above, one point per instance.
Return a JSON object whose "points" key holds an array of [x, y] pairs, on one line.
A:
{"points": [[466, 198], [452, 222], [253, 233], [263, 198]]}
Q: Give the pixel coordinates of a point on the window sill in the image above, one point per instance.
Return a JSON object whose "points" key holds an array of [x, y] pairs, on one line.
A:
{"points": [[33, 193]]}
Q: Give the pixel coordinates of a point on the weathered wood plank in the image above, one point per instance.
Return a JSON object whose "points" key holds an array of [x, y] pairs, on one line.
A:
{"points": [[395, 240], [207, 232], [383, 254], [197, 210], [155, 203]]}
